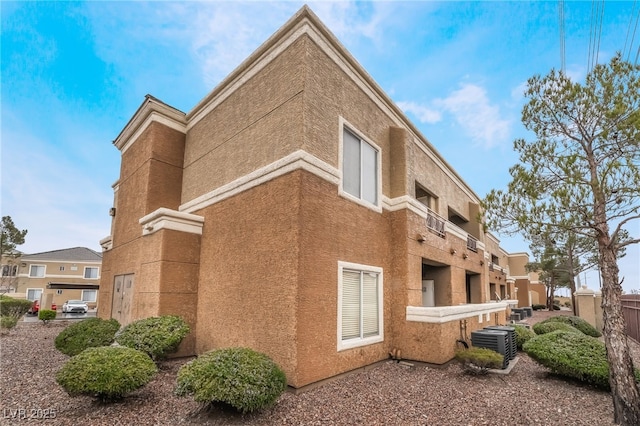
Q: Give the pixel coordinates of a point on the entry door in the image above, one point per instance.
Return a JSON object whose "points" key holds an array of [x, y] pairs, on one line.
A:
{"points": [[122, 295], [428, 293]]}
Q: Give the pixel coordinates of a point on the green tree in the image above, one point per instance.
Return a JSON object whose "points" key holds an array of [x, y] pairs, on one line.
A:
{"points": [[10, 236], [551, 265], [581, 174]]}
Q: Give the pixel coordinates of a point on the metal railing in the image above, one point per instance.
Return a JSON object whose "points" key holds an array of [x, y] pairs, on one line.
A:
{"points": [[472, 243], [435, 223]]}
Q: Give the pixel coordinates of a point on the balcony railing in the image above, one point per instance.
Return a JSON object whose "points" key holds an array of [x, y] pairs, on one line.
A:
{"points": [[472, 243], [435, 223]]}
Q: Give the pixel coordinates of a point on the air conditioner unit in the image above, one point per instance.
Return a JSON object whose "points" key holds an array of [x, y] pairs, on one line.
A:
{"points": [[529, 310], [512, 337], [495, 340], [522, 311]]}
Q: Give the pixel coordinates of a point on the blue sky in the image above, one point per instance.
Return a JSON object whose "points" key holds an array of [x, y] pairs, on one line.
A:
{"points": [[74, 73]]}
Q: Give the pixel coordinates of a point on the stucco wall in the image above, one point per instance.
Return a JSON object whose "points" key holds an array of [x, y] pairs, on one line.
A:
{"points": [[248, 274], [334, 229], [150, 178], [257, 124]]}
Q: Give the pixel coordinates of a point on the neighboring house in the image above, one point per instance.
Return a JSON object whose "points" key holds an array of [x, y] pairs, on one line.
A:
{"points": [[297, 211], [60, 275]]}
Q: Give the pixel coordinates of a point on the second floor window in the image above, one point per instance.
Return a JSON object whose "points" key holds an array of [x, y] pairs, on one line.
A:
{"points": [[90, 273], [359, 168], [9, 270], [36, 271]]}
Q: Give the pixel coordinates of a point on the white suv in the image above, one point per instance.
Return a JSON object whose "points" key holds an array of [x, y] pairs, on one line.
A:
{"points": [[75, 306]]}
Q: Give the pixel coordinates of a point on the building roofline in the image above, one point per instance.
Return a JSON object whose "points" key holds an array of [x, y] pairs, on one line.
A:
{"points": [[151, 109], [306, 16], [52, 253]]}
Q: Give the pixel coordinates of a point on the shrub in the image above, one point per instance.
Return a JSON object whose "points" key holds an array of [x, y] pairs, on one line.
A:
{"points": [[538, 307], [108, 373], [523, 335], [89, 333], [156, 336], [46, 315], [10, 307], [479, 360], [567, 303], [548, 327], [240, 377], [556, 307], [8, 322], [576, 322], [573, 355]]}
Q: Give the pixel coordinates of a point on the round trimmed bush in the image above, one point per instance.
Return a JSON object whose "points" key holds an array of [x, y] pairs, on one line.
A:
{"points": [[8, 322], [548, 327], [576, 322], [46, 315], [240, 377], [89, 333], [155, 336], [108, 372], [479, 360], [574, 355], [523, 335], [11, 307]]}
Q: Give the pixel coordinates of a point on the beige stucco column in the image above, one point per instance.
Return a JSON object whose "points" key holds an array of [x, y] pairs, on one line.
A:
{"points": [[585, 305], [597, 305]]}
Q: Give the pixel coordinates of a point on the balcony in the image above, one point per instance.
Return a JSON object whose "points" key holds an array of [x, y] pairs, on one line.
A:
{"points": [[435, 223], [472, 244], [443, 314]]}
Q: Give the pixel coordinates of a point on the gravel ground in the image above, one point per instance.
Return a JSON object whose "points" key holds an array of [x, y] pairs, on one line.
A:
{"points": [[386, 394]]}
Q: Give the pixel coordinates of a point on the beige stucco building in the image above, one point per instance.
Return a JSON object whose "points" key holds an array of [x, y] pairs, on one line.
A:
{"points": [[56, 276], [297, 211]]}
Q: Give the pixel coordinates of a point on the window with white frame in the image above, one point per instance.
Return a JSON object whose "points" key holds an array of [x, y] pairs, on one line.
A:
{"points": [[90, 272], [89, 295], [360, 168], [36, 271], [9, 270], [34, 294], [360, 304]]}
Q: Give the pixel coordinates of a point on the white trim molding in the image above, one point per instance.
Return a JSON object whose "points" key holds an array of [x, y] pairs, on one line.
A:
{"points": [[297, 160], [442, 314], [164, 218], [151, 110], [106, 243]]}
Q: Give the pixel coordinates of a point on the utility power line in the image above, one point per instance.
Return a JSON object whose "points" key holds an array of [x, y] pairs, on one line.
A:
{"points": [[595, 33], [630, 32], [561, 25]]}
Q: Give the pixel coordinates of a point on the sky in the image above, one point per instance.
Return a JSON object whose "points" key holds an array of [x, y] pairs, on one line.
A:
{"points": [[73, 74]]}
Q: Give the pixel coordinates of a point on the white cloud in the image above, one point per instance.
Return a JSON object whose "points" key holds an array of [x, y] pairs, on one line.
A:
{"points": [[422, 113], [44, 191], [517, 93], [473, 111]]}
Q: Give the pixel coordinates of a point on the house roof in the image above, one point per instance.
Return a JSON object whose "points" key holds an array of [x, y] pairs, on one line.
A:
{"points": [[78, 254]]}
